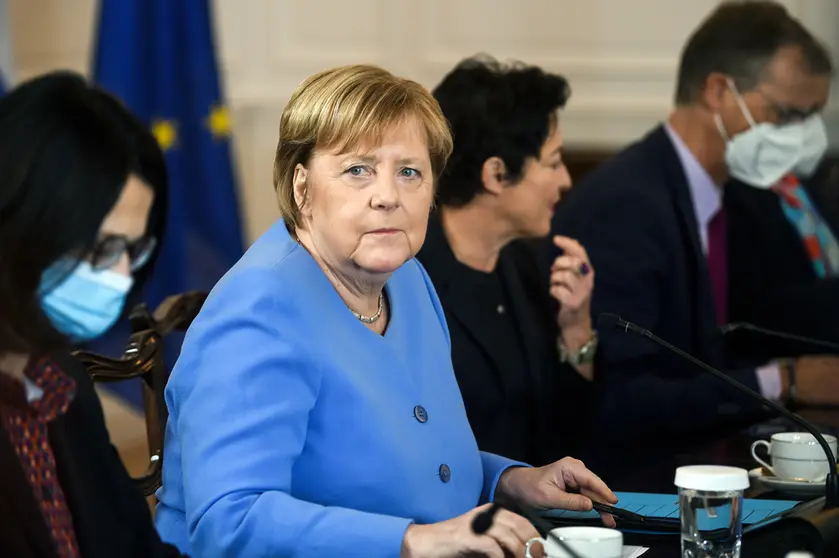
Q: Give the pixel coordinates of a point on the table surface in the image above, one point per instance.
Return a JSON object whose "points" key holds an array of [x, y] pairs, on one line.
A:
{"points": [[733, 450]]}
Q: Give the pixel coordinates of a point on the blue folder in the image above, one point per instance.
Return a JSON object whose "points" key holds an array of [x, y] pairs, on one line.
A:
{"points": [[667, 506]]}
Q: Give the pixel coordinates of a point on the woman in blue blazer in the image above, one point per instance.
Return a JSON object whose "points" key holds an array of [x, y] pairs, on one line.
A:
{"points": [[314, 410]]}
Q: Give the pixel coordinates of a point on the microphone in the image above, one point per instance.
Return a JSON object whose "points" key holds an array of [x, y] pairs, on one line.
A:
{"points": [[745, 326], [832, 480], [483, 521]]}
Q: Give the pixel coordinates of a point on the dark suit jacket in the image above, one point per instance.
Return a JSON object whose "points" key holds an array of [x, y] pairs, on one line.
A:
{"points": [[771, 279], [635, 217], [110, 516], [560, 398], [823, 187]]}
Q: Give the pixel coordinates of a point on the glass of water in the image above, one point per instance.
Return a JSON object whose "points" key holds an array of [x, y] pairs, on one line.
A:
{"points": [[711, 509]]}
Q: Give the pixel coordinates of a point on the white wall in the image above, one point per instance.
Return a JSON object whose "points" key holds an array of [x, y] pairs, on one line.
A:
{"points": [[620, 56]]}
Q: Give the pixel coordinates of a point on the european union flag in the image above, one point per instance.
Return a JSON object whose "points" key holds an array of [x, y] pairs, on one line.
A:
{"points": [[159, 57], [6, 54]]}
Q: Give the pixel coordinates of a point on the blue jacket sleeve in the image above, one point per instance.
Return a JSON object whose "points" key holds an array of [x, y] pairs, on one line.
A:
{"points": [[241, 395], [494, 466]]}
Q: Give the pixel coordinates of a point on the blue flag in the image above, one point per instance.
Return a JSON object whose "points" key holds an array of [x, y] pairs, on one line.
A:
{"points": [[7, 70], [158, 56]]}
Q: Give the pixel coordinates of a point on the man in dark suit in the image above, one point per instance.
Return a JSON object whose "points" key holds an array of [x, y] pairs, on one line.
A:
{"points": [[650, 219]]}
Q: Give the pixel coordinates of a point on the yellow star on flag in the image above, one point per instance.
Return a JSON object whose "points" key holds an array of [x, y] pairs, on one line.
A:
{"points": [[165, 132], [219, 121]]}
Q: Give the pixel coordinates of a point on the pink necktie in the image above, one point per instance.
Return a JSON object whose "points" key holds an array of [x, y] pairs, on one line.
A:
{"points": [[718, 263]]}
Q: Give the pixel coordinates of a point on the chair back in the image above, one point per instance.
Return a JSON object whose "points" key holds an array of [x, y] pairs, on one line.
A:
{"points": [[144, 358]]}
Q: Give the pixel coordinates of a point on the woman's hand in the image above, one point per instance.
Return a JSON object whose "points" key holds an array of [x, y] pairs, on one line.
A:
{"points": [[454, 538], [565, 484], [571, 284]]}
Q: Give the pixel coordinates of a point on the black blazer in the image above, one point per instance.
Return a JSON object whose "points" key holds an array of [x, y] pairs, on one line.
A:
{"points": [[771, 279], [110, 516], [560, 397], [635, 217], [823, 187]]}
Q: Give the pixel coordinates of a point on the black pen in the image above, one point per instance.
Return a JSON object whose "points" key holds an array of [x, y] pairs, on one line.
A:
{"points": [[619, 513], [626, 515]]}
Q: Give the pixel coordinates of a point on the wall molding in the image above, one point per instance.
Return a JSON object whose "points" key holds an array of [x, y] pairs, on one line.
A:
{"points": [[631, 68], [621, 58]]}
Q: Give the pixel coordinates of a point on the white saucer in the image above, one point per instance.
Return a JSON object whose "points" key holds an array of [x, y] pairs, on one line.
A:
{"points": [[790, 487]]}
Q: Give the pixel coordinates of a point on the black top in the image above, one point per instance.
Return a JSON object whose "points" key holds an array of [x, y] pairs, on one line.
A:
{"points": [[494, 306], [521, 402], [110, 516]]}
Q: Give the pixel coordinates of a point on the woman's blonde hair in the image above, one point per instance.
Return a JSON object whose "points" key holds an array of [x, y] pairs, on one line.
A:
{"points": [[345, 107]]}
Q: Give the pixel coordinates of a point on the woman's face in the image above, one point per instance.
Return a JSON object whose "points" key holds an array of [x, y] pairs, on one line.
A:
{"points": [[85, 303], [128, 220], [529, 205], [367, 209]]}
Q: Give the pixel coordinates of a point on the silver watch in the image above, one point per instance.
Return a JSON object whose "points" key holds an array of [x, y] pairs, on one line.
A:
{"points": [[576, 358]]}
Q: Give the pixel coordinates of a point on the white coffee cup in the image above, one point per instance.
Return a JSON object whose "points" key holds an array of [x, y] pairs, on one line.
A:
{"points": [[796, 456], [591, 542]]}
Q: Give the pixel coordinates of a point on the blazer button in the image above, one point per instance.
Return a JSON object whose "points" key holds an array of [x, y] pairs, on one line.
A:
{"points": [[445, 473], [420, 414]]}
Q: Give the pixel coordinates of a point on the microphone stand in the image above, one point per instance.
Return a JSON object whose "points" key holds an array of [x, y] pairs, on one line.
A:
{"points": [[832, 480], [745, 326]]}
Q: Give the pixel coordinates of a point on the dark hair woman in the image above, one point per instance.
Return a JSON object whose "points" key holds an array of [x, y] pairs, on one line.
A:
{"points": [[82, 204]]}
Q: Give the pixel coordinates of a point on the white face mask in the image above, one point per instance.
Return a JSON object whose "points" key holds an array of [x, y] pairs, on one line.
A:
{"points": [[815, 146], [765, 153]]}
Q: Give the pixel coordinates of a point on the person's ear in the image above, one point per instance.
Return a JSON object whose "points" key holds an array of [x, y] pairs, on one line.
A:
{"points": [[715, 92], [493, 175], [300, 187]]}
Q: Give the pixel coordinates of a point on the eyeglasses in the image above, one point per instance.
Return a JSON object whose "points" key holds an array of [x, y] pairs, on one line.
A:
{"points": [[110, 249], [787, 114]]}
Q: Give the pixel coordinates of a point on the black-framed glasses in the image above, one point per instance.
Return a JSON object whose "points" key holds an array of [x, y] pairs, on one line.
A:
{"points": [[109, 250], [787, 114]]}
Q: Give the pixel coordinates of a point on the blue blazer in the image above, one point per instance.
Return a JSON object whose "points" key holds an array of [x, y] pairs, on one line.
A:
{"points": [[294, 430]]}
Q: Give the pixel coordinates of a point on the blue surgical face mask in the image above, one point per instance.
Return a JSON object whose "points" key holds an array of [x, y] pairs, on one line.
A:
{"points": [[86, 302]]}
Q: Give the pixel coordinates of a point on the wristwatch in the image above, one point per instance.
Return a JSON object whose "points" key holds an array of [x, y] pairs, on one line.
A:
{"points": [[576, 358]]}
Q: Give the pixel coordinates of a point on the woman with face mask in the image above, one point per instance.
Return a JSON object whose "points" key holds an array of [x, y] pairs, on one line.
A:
{"points": [[82, 201]]}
